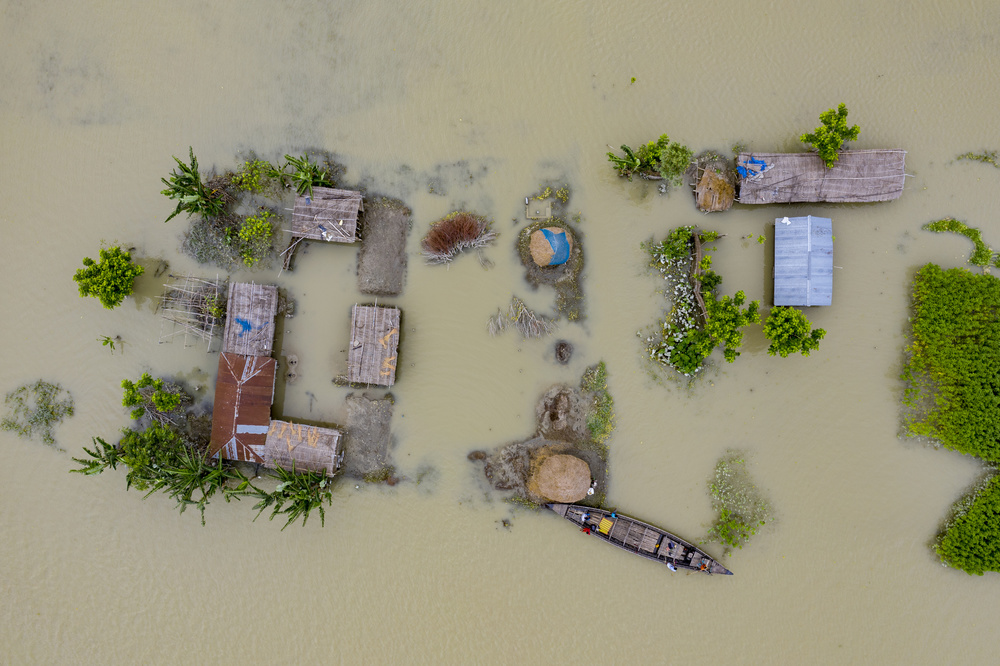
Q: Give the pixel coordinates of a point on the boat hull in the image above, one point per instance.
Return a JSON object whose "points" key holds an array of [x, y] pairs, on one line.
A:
{"points": [[640, 538]]}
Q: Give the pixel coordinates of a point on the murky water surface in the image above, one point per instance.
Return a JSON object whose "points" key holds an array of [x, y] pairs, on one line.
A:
{"points": [[457, 104]]}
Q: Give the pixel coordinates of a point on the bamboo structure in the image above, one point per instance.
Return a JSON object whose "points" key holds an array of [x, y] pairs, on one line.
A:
{"points": [[193, 306], [371, 356], [858, 176]]}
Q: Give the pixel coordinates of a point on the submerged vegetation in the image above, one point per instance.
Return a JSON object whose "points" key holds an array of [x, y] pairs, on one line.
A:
{"points": [[982, 255], [35, 409], [520, 318], [660, 159], [111, 279], [790, 332], [970, 540], [986, 157], [699, 320], [455, 233], [830, 137], [953, 390], [741, 505]]}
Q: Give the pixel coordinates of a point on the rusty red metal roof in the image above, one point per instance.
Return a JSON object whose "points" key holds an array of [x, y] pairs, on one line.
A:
{"points": [[244, 390]]}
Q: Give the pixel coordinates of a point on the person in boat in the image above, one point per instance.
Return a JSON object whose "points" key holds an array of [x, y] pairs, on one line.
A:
{"points": [[585, 530], [704, 566], [670, 565]]}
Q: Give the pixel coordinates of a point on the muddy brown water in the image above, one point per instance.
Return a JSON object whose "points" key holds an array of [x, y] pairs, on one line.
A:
{"points": [[448, 105]]}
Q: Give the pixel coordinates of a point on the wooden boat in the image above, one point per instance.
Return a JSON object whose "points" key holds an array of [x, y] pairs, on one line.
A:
{"points": [[640, 538]]}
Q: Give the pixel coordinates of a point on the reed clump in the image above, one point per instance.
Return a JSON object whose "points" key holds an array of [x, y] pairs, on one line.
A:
{"points": [[520, 318], [456, 233]]}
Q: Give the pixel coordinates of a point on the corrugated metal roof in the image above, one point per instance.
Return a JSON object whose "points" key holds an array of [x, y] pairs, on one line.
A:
{"points": [[241, 416], [857, 176], [803, 261], [250, 317], [327, 214]]}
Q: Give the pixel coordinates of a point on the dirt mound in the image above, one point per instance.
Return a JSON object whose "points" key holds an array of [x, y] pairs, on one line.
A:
{"points": [[560, 478]]}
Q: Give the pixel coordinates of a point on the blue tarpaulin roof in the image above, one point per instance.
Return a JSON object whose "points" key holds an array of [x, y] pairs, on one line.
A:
{"points": [[803, 261]]}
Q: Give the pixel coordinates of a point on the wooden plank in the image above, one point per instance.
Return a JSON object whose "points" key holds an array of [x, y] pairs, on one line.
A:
{"points": [[372, 351]]}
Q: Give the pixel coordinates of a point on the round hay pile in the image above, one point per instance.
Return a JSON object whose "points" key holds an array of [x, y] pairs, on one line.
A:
{"points": [[560, 478], [550, 246]]}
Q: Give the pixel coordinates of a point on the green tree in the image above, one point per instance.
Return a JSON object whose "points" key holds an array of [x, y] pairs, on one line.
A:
{"points": [[789, 332], [663, 157], [725, 320], [829, 137], [111, 279], [192, 195], [159, 400]]}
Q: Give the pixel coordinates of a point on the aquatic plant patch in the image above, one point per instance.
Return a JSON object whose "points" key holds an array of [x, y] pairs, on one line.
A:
{"points": [[741, 505], [952, 369], [971, 537], [986, 157], [36, 409], [981, 255]]}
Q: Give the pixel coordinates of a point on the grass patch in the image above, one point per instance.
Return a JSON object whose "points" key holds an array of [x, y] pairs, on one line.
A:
{"points": [[600, 416], [380, 475]]}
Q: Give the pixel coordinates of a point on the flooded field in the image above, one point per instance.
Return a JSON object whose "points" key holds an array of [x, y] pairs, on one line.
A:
{"points": [[449, 105]]}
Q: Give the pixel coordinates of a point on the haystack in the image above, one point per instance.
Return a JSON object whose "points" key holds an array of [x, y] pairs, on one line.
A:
{"points": [[551, 246], [560, 478]]}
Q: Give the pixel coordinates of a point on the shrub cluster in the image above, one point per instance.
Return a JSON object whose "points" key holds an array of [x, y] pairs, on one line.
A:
{"points": [[111, 279], [455, 233]]}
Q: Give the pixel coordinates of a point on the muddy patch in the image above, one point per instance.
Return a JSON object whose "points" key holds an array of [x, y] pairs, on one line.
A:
{"points": [[368, 443], [382, 258]]}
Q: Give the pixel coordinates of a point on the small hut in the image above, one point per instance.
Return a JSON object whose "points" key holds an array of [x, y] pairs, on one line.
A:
{"points": [[858, 176], [327, 214], [250, 319], [241, 417], [371, 355], [303, 447], [803, 261]]}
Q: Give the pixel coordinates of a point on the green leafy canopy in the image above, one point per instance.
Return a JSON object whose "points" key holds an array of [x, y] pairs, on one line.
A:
{"points": [[829, 137], [789, 332], [111, 279]]}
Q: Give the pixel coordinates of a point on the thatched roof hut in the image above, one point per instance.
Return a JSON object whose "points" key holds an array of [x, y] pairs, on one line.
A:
{"points": [[303, 447], [241, 417], [803, 261], [250, 319], [327, 214], [371, 355], [858, 176]]}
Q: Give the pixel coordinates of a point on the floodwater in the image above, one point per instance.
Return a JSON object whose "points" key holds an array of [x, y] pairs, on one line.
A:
{"points": [[481, 102]]}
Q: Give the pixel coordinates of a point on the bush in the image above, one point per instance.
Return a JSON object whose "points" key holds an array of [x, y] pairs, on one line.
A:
{"points": [[971, 538], [36, 409], [111, 279], [455, 233], [829, 137], [789, 332], [305, 174], [254, 176], [256, 235], [953, 388]]}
